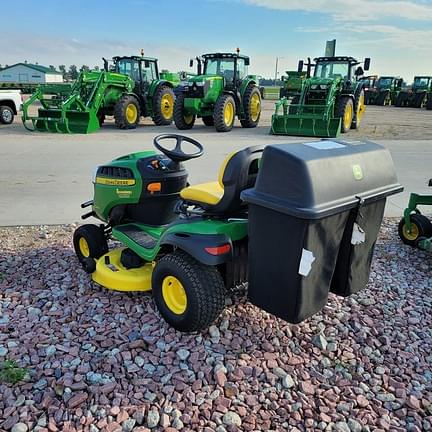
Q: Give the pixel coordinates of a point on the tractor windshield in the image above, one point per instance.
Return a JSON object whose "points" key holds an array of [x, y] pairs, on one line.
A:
{"points": [[421, 82], [129, 67], [332, 69], [385, 82], [225, 68]]}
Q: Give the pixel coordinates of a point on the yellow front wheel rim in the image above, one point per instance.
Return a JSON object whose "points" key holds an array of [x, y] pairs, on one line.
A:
{"points": [[84, 247], [174, 295], [131, 113], [167, 106], [229, 113], [255, 107], [412, 234], [348, 116], [361, 108]]}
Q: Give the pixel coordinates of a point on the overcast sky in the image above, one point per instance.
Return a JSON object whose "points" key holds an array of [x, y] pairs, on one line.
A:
{"points": [[397, 35]]}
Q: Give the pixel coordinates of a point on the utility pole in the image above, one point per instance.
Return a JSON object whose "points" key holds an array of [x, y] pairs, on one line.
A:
{"points": [[276, 69]]}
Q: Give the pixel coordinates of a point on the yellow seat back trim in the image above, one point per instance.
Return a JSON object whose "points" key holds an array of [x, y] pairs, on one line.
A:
{"points": [[223, 168]]}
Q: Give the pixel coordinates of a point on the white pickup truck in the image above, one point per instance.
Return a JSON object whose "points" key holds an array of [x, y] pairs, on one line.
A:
{"points": [[10, 104]]}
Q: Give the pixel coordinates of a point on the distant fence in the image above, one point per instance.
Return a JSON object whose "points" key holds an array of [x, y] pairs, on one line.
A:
{"points": [[270, 93]]}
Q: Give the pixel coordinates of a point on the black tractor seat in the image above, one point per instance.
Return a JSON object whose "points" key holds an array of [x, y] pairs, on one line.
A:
{"points": [[237, 173]]}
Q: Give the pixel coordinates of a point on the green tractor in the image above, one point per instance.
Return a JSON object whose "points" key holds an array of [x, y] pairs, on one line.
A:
{"points": [[327, 103], [385, 91], [221, 90], [130, 89], [415, 229], [292, 81], [417, 95]]}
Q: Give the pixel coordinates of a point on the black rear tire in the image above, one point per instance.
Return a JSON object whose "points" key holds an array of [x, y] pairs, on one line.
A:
{"points": [[203, 287], [381, 99], [221, 106], [250, 98], [208, 120], [422, 228], [6, 114], [400, 100], [345, 103], [429, 102], [123, 120], [92, 236], [163, 106], [420, 100], [182, 121]]}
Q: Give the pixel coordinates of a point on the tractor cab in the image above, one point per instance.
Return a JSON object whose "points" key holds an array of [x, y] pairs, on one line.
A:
{"points": [[339, 67], [422, 83], [143, 70]]}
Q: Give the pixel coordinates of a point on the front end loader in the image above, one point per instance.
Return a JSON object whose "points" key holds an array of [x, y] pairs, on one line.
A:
{"points": [[130, 89], [417, 95], [329, 102], [221, 90]]}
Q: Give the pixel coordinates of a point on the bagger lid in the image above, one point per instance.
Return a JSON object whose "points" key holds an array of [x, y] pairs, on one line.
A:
{"points": [[315, 179]]}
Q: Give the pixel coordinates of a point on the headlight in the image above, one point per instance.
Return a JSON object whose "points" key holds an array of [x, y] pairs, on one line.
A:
{"points": [[323, 87], [314, 86]]}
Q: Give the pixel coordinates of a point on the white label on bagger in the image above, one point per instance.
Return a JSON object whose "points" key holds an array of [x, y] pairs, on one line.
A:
{"points": [[325, 145], [358, 235], [306, 261]]}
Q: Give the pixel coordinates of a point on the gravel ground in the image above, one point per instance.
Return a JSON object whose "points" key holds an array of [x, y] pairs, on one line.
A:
{"points": [[100, 360]]}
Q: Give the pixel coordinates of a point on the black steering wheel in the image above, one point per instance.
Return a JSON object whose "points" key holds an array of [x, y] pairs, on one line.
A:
{"points": [[177, 154]]}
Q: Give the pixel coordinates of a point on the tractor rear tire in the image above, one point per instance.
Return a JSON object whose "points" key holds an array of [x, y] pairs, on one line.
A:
{"points": [[400, 100], [208, 120], [359, 110], [182, 121], [251, 107], [429, 102], [224, 113], [345, 110], [381, 99], [188, 294], [421, 227], [6, 114], [419, 100], [89, 241], [127, 112], [163, 106]]}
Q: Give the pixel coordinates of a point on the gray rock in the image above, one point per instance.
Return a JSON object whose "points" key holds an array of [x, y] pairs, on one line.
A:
{"points": [[93, 428], [183, 354], [354, 425], [288, 382], [380, 370], [50, 350], [128, 425], [341, 427], [153, 418], [3, 351], [279, 372], [139, 361], [320, 341], [214, 334], [19, 427], [231, 418], [41, 384], [386, 397], [177, 424]]}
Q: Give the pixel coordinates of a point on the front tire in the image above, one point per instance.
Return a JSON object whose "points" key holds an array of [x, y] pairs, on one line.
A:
{"points": [[360, 109], [89, 242], [345, 111], [224, 113], [421, 226], [6, 114], [182, 121], [188, 294], [127, 112], [163, 106], [251, 107]]}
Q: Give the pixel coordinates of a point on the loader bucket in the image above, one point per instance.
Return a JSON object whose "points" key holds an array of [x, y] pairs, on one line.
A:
{"points": [[305, 126], [73, 121]]}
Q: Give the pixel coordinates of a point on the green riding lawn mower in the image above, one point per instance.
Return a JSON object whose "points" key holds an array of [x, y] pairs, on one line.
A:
{"points": [[418, 96], [415, 229], [325, 104], [384, 92], [132, 88], [221, 90], [268, 219]]}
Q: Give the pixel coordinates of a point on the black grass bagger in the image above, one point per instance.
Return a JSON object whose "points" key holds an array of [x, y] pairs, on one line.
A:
{"points": [[314, 217]]}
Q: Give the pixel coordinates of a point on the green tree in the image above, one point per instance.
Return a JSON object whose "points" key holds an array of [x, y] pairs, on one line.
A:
{"points": [[84, 68], [73, 72], [96, 68], [62, 69], [52, 67]]}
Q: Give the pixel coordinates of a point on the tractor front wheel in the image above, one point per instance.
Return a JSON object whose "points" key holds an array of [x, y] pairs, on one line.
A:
{"points": [[251, 107], [400, 100], [224, 113], [182, 120], [188, 294], [127, 112], [345, 111], [89, 242], [421, 226], [163, 106]]}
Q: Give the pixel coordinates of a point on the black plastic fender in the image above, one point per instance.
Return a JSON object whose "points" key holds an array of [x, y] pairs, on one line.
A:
{"points": [[195, 245]]}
